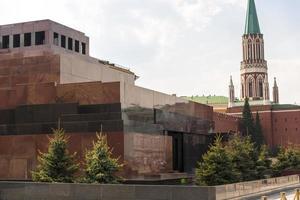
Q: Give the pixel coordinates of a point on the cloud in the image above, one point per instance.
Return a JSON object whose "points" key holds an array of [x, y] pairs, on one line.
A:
{"points": [[186, 47]]}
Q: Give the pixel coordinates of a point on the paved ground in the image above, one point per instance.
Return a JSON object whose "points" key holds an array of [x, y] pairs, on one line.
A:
{"points": [[289, 194]]}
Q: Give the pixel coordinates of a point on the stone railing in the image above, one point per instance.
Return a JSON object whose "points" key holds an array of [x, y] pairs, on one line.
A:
{"points": [[62, 191], [65, 191]]}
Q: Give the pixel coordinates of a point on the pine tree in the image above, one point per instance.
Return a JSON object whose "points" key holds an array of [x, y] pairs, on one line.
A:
{"points": [[247, 120], [57, 165], [249, 128], [100, 166], [216, 167], [287, 159], [258, 134], [263, 166], [244, 157]]}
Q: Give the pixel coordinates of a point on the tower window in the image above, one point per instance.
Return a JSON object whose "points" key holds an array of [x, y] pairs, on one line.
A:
{"points": [[70, 43], [259, 54], [83, 46], [55, 38], [63, 41], [249, 52], [5, 41], [261, 93], [243, 93], [16, 40], [40, 38], [250, 88], [77, 46], [27, 39]]}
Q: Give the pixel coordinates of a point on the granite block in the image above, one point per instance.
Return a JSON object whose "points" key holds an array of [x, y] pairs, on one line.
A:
{"points": [[7, 116], [99, 108], [153, 193], [115, 192]]}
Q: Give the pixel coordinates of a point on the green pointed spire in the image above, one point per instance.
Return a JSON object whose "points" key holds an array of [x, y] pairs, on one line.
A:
{"points": [[252, 24]]}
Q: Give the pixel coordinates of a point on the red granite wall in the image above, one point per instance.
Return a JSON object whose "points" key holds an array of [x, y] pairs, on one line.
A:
{"points": [[89, 93], [32, 79], [45, 93], [146, 153], [17, 69], [18, 153], [192, 109]]}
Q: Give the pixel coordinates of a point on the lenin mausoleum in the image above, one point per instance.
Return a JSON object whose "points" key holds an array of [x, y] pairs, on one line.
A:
{"points": [[47, 77]]}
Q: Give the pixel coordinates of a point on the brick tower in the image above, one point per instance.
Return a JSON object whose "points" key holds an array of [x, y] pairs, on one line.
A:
{"points": [[254, 70]]}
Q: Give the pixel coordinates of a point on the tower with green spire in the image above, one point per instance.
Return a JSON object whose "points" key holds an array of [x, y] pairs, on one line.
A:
{"points": [[252, 23], [254, 70]]}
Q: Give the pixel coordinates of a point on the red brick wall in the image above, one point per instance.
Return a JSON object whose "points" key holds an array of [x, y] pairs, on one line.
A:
{"points": [[266, 122], [225, 123], [280, 127], [286, 127], [265, 118]]}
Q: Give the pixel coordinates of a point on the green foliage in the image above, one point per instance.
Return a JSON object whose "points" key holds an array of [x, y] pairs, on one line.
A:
{"points": [[100, 166], [217, 167], [258, 134], [183, 181], [249, 128], [287, 159], [57, 165], [263, 165], [236, 161], [274, 151], [247, 120], [244, 157]]}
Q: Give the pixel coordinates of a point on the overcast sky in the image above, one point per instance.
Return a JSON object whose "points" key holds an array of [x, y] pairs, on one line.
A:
{"points": [[187, 47]]}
